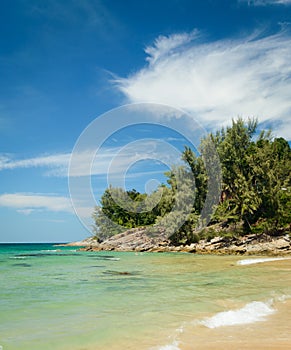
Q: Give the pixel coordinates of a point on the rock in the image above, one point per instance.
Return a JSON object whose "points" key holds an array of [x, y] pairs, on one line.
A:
{"points": [[133, 240], [256, 249], [88, 242], [217, 240], [140, 240], [281, 244]]}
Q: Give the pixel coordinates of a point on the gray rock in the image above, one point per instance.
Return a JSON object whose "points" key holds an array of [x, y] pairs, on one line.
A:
{"points": [[139, 240], [281, 244]]}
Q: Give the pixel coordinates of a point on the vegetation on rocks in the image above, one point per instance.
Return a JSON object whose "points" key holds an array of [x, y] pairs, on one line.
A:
{"points": [[254, 187]]}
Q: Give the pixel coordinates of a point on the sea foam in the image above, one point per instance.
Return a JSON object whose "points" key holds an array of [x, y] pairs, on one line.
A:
{"points": [[50, 250], [250, 313], [173, 346], [258, 260]]}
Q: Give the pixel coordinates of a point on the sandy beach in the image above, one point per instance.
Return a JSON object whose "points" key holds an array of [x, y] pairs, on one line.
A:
{"points": [[272, 333]]}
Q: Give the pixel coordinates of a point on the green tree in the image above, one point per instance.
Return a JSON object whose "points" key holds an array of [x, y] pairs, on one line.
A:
{"points": [[233, 144], [200, 176], [270, 166], [252, 173]]}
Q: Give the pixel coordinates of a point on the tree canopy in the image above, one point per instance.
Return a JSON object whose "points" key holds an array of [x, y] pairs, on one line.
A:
{"points": [[252, 177]]}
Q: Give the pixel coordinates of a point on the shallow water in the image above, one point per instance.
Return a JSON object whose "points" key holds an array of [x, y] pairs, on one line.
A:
{"points": [[58, 298]]}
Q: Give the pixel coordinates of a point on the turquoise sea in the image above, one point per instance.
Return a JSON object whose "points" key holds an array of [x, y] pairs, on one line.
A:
{"points": [[55, 297]]}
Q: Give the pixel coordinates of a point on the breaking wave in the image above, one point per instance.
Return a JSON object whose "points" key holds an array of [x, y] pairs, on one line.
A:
{"points": [[258, 260], [250, 313]]}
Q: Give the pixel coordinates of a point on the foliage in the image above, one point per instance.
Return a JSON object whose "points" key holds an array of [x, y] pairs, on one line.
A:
{"points": [[122, 209], [252, 177]]}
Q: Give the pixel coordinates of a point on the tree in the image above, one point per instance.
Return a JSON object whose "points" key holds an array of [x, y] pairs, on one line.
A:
{"points": [[252, 172], [120, 209], [270, 164], [104, 227], [179, 220], [200, 176]]}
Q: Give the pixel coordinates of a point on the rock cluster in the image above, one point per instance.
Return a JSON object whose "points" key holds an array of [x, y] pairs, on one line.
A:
{"points": [[251, 244], [139, 240]]}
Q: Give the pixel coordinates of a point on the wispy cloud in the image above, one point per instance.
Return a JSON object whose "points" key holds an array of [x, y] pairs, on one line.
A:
{"points": [[163, 46], [113, 160], [85, 13], [217, 81], [266, 2], [27, 203], [56, 161]]}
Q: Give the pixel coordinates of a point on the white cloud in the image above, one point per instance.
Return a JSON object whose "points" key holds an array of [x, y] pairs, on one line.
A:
{"points": [[164, 45], [108, 159], [26, 211], [266, 2], [56, 161], [27, 203], [58, 164], [217, 81]]}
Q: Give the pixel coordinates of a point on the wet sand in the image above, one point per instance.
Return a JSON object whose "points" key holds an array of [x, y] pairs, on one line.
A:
{"points": [[274, 333]]}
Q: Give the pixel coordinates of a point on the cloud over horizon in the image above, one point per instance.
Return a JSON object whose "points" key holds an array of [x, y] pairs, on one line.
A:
{"points": [[27, 203], [219, 80]]}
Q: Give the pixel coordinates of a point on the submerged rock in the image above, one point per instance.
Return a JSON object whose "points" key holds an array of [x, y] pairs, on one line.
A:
{"points": [[118, 273]]}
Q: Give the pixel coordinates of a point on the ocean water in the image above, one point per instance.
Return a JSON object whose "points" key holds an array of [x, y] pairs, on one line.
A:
{"points": [[58, 298]]}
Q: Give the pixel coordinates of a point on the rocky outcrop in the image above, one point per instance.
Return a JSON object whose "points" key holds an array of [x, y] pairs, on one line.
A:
{"points": [[248, 245], [139, 240], [88, 242]]}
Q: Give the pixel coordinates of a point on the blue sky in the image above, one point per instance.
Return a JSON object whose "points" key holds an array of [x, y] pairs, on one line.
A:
{"points": [[64, 63]]}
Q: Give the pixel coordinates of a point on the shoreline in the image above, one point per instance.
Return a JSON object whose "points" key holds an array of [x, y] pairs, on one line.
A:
{"points": [[138, 240], [270, 333]]}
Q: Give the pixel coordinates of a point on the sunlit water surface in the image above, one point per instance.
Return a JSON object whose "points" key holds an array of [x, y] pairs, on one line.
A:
{"points": [[59, 298]]}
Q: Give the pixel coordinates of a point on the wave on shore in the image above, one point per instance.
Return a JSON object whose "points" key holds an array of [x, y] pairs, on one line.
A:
{"points": [[250, 313], [173, 346], [258, 260]]}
